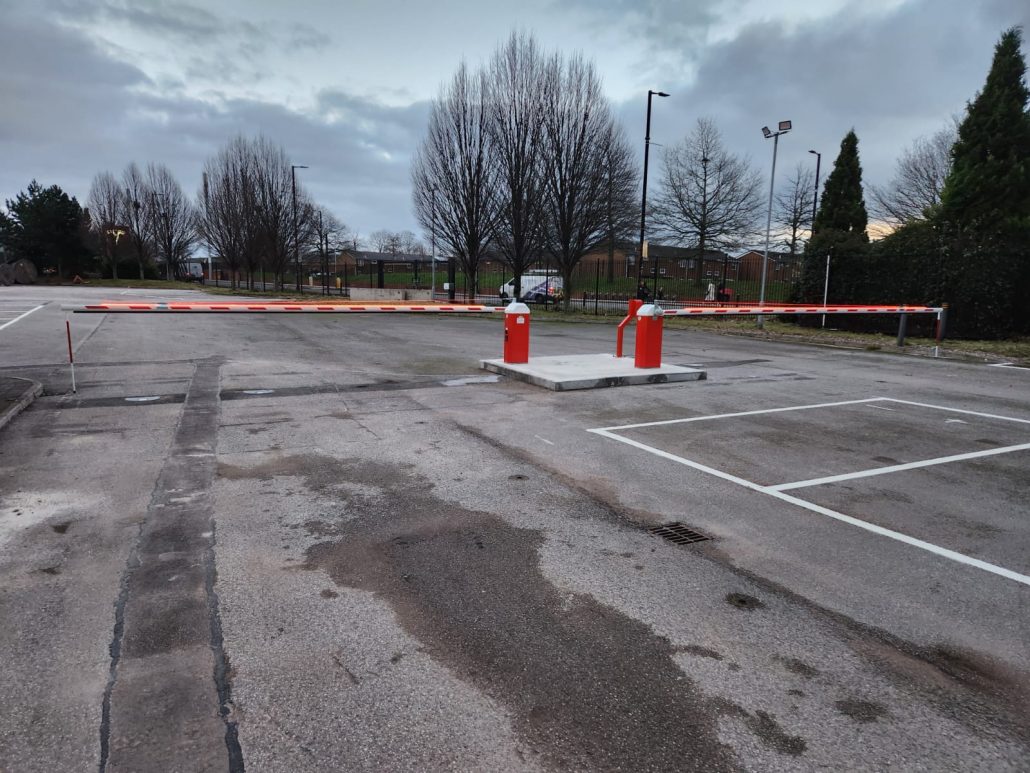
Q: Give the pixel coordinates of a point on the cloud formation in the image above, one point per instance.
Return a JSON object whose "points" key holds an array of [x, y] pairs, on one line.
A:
{"points": [[346, 89]]}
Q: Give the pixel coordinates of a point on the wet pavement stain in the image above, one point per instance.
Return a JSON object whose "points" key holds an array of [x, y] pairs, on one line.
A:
{"points": [[702, 652], [587, 687], [799, 667], [765, 726], [743, 601], [861, 711]]}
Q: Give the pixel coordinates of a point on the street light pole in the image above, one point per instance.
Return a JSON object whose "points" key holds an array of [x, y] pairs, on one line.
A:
{"points": [[782, 128], [643, 197], [296, 246], [815, 203], [815, 195], [432, 230]]}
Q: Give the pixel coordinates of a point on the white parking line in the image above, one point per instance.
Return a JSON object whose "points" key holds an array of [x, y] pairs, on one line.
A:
{"points": [[745, 413], [897, 468], [956, 410], [778, 490], [20, 316], [1008, 365]]}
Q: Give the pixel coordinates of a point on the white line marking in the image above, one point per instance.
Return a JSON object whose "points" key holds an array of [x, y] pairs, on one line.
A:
{"points": [[955, 421], [549, 442], [896, 535], [744, 413], [21, 316], [882, 407], [871, 527], [1008, 365], [679, 460], [897, 468], [956, 410]]}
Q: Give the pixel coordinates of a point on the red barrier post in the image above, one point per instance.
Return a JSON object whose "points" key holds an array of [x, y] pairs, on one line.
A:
{"points": [[648, 353], [516, 333], [631, 314]]}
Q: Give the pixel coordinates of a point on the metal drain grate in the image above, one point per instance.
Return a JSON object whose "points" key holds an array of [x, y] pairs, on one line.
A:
{"points": [[677, 533]]}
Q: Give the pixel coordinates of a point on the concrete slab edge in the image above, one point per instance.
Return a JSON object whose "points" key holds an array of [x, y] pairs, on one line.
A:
{"points": [[592, 383], [33, 389]]}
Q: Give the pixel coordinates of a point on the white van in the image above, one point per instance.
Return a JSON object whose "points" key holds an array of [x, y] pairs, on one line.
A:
{"points": [[536, 287]]}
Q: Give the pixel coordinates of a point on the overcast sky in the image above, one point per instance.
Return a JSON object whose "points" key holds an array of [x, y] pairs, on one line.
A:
{"points": [[343, 85]]}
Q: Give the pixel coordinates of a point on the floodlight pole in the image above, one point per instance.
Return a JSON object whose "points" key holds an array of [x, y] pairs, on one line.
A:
{"points": [[643, 196], [784, 127], [296, 246], [432, 230]]}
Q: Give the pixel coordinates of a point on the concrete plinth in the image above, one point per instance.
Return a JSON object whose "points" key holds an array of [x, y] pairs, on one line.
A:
{"points": [[589, 371]]}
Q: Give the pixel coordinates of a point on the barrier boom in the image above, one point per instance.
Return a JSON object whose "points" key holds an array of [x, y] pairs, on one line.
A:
{"points": [[281, 308], [725, 311]]}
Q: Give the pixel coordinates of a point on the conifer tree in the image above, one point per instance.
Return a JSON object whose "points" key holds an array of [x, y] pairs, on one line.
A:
{"points": [[839, 231], [984, 216]]}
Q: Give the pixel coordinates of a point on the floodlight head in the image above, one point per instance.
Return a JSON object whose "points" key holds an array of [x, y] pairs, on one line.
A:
{"points": [[784, 126], [766, 133]]}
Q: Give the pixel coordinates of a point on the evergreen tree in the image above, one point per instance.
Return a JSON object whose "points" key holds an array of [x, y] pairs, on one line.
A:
{"points": [[839, 231], [44, 226], [984, 216]]}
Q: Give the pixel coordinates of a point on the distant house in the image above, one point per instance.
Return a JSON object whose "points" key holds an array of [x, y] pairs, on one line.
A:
{"points": [[394, 261], [672, 262], [782, 266]]}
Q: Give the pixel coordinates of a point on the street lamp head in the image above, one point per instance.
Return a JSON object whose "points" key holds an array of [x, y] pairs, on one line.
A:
{"points": [[766, 133], [784, 126], [662, 94], [815, 152], [297, 166]]}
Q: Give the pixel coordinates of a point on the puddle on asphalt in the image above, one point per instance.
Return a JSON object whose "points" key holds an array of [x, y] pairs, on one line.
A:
{"points": [[587, 686]]}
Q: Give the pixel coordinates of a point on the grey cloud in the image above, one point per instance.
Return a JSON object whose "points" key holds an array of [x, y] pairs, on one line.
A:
{"points": [[179, 20], [306, 36], [77, 112], [892, 76]]}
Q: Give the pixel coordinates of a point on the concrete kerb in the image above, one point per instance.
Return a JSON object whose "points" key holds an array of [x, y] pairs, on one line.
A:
{"points": [[16, 394]]}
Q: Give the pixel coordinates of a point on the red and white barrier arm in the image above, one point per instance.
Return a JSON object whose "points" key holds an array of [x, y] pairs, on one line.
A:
{"points": [[282, 308], [727, 311]]}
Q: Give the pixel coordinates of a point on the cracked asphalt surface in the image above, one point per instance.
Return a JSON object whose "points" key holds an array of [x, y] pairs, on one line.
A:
{"points": [[328, 544]]}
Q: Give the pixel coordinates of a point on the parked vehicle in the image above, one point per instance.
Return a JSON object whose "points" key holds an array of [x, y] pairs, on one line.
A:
{"points": [[537, 287]]}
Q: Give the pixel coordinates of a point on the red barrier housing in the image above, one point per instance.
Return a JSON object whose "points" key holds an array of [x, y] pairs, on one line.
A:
{"points": [[516, 333], [648, 352]]}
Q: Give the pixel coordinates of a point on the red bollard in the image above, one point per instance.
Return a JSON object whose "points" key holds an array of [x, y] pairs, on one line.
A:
{"points": [[648, 352], [516, 333]]}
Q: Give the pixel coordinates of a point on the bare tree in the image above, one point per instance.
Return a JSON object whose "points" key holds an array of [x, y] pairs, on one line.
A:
{"points": [[915, 189], [709, 197], [452, 178], [579, 140], [326, 237], [517, 80], [410, 244], [621, 190], [224, 224], [271, 209], [174, 220], [386, 241], [137, 214], [106, 210], [793, 206]]}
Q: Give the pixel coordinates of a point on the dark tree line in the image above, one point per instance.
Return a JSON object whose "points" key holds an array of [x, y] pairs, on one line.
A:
{"points": [[523, 157], [961, 203]]}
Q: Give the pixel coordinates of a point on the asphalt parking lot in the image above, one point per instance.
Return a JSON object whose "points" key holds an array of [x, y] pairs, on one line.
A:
{"points": [[319, 543]]}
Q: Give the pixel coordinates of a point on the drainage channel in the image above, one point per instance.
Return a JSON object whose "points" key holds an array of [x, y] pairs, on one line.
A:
{"points": [[678, 534], [294, 391]]}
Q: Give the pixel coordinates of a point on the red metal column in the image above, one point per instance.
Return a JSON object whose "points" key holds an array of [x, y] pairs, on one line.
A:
{"points": [[516, 333], [648, 353]]}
